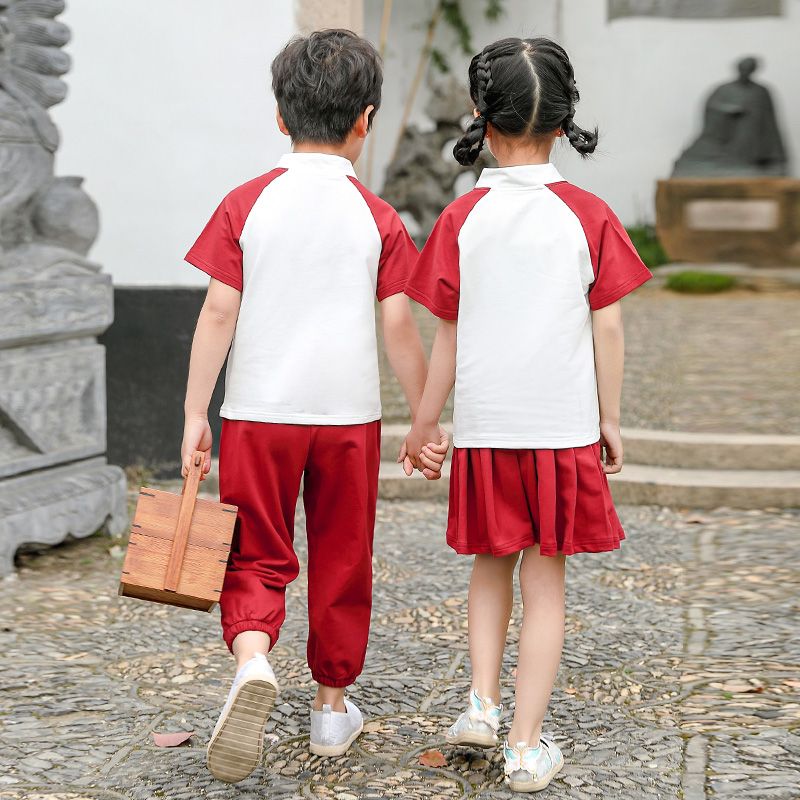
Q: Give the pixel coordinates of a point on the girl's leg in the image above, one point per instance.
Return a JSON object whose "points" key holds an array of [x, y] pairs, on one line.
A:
{"points": [[542, 637], [491, 597]]}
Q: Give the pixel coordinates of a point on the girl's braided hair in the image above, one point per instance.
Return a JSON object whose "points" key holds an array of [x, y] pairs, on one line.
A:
{"points": [[523, 87]]}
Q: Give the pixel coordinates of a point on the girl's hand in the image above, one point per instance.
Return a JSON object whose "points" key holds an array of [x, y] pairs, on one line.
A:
{"points": [[611, 442], [411, 455], [433, 455], [196, 436]]}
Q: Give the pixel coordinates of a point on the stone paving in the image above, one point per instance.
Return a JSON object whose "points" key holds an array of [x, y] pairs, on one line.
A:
{"points": [[680, 677]]}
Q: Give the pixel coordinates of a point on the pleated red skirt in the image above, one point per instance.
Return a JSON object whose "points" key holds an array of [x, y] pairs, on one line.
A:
{"points": [[502, 501]]}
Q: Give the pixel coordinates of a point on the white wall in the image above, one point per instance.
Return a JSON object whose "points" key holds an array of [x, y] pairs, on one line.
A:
{"points": [[169, 108], [643, 81]]}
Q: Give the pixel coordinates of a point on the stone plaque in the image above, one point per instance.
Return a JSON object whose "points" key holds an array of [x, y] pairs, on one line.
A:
{"points": [[52, 404], [732, 215], [694, 9], [38, 310]]}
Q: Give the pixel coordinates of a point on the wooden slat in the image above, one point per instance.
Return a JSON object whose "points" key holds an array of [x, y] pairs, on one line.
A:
{"points": [[212, 523], [168, 598], [146, 565], [181, 538]]}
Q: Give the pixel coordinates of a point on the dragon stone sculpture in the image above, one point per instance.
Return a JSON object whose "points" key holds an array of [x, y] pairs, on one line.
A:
{"points": [[54, 480]]}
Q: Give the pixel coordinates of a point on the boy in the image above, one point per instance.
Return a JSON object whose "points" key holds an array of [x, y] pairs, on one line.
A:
{"points": [[297, 258]]}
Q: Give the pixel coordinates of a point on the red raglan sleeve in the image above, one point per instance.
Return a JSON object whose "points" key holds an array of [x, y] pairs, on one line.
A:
{"points": [[618, 268], [435, 280], [398, 257], [217, 251]]}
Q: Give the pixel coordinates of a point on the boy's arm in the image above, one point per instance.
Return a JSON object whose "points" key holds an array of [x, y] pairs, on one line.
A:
{"points": [[404, 348], [212, 340], [609, 358], [441, 377]]}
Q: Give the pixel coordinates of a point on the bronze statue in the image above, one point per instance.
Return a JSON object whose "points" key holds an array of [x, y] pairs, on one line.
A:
{"points": [[740, 134]]}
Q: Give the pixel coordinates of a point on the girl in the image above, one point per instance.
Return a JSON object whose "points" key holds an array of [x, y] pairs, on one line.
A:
{"points": [[525, 273]]}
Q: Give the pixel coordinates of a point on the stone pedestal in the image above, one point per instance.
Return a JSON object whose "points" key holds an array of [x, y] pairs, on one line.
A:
{"points": [[53, 479], [745, 220]]}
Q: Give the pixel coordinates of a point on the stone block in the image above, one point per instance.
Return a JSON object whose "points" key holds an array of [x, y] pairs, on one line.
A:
{"points": [[744, 220], [42, 308], [45, 507], [52, 404]]}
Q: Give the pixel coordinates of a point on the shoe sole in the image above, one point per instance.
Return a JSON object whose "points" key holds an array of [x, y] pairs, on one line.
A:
{"points": [[535, 786], [236, 749], [335, 749], [473, 738]]}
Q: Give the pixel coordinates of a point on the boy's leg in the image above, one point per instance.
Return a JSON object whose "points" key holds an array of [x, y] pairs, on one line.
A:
{"points": [[260, 469], [261, 466], [541, 640], [340, 495]]}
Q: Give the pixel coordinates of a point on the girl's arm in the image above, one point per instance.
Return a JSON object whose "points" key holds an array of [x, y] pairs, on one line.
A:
{"points": [[212, 340], [441, 377], [405, 353], [609, 359]]}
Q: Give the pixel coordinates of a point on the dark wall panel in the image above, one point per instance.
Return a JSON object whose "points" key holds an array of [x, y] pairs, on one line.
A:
{"points": [[147, 359]]}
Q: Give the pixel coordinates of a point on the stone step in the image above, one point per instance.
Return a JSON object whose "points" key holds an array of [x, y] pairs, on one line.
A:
{"points": [[676, 449], [644, 485], [394, 484], [639, 484], [711, 451]]}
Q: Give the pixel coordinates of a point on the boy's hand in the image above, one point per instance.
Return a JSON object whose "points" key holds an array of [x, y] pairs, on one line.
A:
{"points": [[611, 441], [425, 449], [196, 436]]}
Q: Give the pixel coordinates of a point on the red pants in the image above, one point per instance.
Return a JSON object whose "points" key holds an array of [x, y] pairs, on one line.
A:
{"points": [[261, 466]]}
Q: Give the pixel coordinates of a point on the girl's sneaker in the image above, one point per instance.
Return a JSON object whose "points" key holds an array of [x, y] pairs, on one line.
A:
{"points": [[237, 741], [530, 769], [332, 732], [478, 725]]}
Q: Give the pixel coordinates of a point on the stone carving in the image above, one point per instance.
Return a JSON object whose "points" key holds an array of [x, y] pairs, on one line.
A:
{"points": [[696, 9], [421, 179], [740, 135], [53, 301]]}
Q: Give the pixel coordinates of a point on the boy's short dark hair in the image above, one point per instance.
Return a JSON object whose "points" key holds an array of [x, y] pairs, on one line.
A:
{"points": [[323, 82]]}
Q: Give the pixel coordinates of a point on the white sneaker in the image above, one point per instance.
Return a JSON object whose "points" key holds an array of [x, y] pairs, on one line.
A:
{"points": [[530, 769], [478, 725], [236, 743], [332, 732]]}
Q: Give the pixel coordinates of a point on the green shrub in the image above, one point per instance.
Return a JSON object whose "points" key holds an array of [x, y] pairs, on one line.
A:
{"points": [[694, 282], [647, 245]]}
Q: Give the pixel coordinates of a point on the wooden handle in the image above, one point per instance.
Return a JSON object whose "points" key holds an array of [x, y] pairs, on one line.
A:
{"points": [[181, 537]]}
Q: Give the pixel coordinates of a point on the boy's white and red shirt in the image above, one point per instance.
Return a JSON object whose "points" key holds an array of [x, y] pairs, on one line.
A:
{"points": [[310, 249], [521, 261]]}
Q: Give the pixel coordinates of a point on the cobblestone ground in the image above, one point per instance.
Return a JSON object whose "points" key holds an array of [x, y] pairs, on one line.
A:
{"points": [[722, 363], [680, 678]]}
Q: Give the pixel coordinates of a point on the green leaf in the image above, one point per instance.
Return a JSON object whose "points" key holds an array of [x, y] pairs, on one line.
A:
{"points": [[439, 60], [494, 10]]}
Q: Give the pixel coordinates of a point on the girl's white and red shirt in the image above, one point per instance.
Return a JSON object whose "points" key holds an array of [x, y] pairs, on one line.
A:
{"points": [[310, 249], [521, 261]]}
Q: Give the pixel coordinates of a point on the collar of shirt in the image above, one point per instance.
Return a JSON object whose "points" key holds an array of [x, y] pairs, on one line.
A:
{"points": [[526, 176], [322, 162]]}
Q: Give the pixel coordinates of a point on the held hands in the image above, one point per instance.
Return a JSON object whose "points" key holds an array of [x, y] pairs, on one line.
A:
{"points": [[425, 449], [196, 436], [611, 442]]}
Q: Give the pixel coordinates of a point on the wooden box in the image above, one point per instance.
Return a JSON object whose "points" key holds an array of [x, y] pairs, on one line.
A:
{"points": [[179, 546]]}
